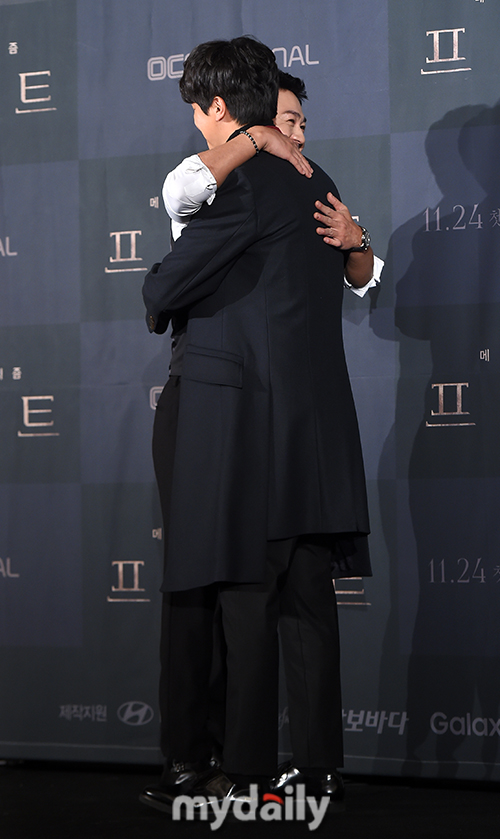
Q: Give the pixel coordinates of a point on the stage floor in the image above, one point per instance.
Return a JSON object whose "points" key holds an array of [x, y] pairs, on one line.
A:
{"points": [[82, 801]]}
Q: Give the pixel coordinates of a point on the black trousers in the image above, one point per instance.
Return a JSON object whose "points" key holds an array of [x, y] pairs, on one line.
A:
{"points": [[298, 597], [192, 653]]}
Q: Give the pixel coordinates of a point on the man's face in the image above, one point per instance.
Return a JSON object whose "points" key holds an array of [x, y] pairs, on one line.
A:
{"points": [[290, 118]]}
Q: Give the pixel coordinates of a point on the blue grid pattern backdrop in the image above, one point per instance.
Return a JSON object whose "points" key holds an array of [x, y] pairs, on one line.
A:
{"points": [[403, 113]]}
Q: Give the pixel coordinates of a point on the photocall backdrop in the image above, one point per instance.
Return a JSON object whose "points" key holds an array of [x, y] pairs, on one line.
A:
{"points": [[403, 113]]}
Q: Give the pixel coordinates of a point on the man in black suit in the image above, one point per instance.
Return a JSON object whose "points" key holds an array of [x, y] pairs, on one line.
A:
{"points": [[266, 482]]}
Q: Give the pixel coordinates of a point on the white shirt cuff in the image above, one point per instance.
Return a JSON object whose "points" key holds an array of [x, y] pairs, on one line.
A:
{"points": [[378, 264]]}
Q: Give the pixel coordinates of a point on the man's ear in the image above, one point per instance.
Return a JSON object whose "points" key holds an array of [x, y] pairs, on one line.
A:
{"points": [[219, 108]]}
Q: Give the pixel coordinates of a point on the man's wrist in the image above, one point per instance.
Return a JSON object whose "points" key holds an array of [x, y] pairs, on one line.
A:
{"points": [[251, 138], [260, 133], [365, 241]]}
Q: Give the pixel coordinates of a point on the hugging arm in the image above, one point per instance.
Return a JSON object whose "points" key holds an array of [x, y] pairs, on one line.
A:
{"points": [[196, 179], [362, 268], [201, 257]]}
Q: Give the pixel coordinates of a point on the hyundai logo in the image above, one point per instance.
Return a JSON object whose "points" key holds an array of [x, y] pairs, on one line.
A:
{"points": [[135, 713]]}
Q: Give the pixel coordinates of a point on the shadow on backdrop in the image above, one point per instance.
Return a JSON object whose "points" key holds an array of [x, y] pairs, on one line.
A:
{"points": [[441, 523]]}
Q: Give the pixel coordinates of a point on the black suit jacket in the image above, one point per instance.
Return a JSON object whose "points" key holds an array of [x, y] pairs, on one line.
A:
{"points": [[267, 444]]}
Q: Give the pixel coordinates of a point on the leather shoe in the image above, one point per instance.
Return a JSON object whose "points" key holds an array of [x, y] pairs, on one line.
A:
{"points": [[330, 784], [199, 782], [177, 779]]}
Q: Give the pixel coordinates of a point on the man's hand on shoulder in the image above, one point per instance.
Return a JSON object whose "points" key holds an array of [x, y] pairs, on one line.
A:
{"points": [[340, 229], [270, 139]]}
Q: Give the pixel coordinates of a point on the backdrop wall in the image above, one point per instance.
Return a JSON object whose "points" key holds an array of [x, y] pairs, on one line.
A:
{"points": [[403, 113]]}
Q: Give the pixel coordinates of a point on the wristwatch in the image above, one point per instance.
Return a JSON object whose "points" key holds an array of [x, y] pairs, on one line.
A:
{"points": [[365, 241]]}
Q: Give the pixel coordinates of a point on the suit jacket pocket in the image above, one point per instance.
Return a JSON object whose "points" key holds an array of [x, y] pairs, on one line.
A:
{"points": [[216, 367]]}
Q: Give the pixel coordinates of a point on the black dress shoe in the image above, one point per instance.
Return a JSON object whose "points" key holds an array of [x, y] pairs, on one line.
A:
{"points": [[200, 786], [330, 784], [193, 780], [177, 779]]}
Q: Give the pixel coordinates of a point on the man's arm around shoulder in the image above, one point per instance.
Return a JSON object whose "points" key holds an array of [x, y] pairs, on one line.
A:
{"points": [[195, 267]]}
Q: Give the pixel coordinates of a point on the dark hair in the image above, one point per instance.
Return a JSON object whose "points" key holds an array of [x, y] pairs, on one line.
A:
{"points": [[243, 72], [293, 84]]}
